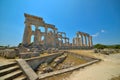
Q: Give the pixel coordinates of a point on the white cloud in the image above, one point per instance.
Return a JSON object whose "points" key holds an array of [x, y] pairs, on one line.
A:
{"points": [[96, 34], [102, 31]]}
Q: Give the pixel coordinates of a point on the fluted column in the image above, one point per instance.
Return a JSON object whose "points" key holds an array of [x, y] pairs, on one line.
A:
{"points": [[77, 41], [68, 41], [45, 36], [65, 41], [54, 33], [36, 35], [80, 42], [73, 41], [85, 40], [82, 39], [91, 43], [27, 34]]}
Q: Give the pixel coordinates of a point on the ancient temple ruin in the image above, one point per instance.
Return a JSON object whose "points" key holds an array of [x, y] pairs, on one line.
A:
{"points": [[51, 37]]}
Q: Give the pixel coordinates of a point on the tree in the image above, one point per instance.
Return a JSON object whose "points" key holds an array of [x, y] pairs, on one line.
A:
{"points": [[100, 46]]}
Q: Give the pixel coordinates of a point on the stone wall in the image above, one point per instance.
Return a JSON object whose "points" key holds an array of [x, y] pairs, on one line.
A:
{"points": [[29, 55], [8, 53], [45, 76], [82, 56], [35, 62]]}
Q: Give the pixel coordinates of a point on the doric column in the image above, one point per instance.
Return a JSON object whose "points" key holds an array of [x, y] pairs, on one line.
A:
{"points": [[36, 35], [68, 41], [54, 34], [73, 42], [77, 41], [45, 36], [27, 34], [82, 43], [61, 40], [91, 43], [85, 39]]}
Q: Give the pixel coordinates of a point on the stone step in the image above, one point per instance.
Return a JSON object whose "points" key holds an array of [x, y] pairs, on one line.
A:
{"points": [[6, 65], [31, 75], [22, 77], [8, 70], [12, 75]]}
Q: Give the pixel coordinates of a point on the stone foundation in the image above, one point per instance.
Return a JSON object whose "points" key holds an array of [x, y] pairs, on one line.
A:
{"points": [[29, 55], [35, 62], [8, 53]]}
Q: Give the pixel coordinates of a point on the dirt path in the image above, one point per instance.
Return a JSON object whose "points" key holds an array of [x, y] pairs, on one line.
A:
{"points": [[104, 70], [4, 61]]}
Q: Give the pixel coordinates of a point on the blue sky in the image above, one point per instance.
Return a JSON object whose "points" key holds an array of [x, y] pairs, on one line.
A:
{"points": [[99, 18]]}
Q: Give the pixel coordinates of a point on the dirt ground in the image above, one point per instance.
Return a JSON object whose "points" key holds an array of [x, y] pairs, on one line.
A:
{"points": [[108, 68], [4, 60]]}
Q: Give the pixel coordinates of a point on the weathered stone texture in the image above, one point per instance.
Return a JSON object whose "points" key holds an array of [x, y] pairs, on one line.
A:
{"points": [[8, 53], [51, 38]]}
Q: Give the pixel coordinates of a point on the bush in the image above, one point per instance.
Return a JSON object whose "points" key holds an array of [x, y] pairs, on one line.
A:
{"points": [[100, 46]]}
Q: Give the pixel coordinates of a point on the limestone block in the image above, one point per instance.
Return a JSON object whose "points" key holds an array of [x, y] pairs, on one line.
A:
{"points": [[29, 54], [59, 60], [9, 53], [47, 69]]}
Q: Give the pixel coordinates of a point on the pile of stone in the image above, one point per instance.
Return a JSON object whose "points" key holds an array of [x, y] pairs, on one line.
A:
{"points": [[44, 68], [52, 50], [8, 53], [28, 55], [106, 51], [59, 60], [66, 65]]}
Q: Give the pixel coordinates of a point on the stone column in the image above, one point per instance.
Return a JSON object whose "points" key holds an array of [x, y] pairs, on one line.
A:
{"points": [[91, 43], [80, 41], [45, 36], [27, 34], [68, 41], [82, 44], [54, 33], [85, 39], [37, 36], [61, 40], [73, 42], [65, 41], [77, 41]]}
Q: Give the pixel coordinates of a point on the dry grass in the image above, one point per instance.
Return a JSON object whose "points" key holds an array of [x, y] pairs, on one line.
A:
{"points": [[70, 59], [116, 78]]}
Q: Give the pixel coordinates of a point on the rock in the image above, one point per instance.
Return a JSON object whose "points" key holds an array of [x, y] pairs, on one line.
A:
{"points": [[47, 69], [59, 60], [10, 53], [105, 52]]}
